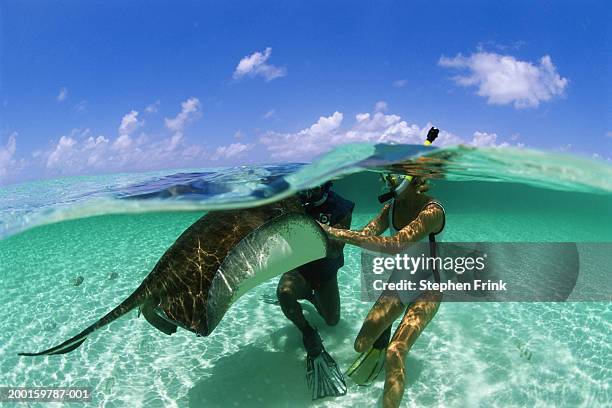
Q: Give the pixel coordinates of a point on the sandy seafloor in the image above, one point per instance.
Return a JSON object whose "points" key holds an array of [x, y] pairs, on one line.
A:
{"points": [[472, 354]]}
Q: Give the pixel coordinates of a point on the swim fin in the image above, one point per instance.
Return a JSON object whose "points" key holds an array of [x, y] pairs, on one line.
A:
{"points": [[368, 365], [323, 376]]}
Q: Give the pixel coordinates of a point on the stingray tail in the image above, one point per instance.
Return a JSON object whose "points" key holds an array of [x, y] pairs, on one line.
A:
{"points": [[134, 300]]}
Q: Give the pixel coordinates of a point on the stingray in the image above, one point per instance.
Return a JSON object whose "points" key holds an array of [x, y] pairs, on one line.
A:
{"points": [[216, 260]]}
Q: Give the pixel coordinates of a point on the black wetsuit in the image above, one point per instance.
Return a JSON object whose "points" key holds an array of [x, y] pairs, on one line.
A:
{"points": [[331, 212]]}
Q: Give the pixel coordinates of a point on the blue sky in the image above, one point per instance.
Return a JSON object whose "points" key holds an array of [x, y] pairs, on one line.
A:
{"points": [[97, 87]]}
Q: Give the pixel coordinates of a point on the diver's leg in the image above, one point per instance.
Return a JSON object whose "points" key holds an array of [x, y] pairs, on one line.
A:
{"points": [[395, 373], [327, 301], [387, 308], [416, 318], [291, 288]]}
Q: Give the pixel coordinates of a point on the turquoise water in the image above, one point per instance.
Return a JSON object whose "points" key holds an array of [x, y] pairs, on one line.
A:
{"points": [[476, 354]]}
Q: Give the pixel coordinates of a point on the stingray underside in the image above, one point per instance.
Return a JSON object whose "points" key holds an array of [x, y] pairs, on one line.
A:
{"points": [[280, 245]]}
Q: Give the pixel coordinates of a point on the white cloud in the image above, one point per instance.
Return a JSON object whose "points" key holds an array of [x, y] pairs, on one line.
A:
{"points": [[400, 83], [152, 108], [381, 106], [175, 141], [62, 153], [80, 152], [94, 150], [7, 154], [383, 128], [503, 79], [231, 151], [483, 139], [239, 135], [129, 124], [307, 142], [270, 114], [326, 125], [62, 95], [255, 65], [190, 110], [122, 142], [376, 127]]}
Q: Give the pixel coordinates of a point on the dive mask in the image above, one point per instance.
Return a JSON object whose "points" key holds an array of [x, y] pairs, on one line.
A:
{"points": [[315, 196], [397, 183]]}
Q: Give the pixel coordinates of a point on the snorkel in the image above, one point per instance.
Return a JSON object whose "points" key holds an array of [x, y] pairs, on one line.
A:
{"points": [[399, 183]]}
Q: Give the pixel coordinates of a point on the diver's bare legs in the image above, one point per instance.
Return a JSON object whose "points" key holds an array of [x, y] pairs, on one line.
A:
{"points": [[387, 308], [416, 318]]}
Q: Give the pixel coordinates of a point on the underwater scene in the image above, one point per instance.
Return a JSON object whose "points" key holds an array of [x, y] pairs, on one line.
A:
{"points": [[73, 249]]}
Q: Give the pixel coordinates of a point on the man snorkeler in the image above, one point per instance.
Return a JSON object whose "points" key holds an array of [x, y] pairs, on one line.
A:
{"points": [[412, 216], [317, 283]]}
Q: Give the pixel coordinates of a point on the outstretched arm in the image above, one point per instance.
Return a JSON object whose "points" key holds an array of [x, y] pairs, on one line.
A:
{"points": [[379, 224], [429, 220], [375, 227]]}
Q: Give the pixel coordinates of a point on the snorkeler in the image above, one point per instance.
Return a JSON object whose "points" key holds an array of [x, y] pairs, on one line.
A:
{"points": [[317, 283], [412, 216]]}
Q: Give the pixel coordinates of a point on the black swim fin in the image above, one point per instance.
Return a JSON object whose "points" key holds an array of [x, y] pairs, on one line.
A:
{"points": [[323, 376], [368, 365]]}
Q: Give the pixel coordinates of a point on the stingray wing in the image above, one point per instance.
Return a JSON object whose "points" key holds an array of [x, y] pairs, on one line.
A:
{"points": [[278, 246]]}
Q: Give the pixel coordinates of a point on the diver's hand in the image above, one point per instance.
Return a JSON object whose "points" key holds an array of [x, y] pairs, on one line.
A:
{"points": [[331, 232], [325, 228]]}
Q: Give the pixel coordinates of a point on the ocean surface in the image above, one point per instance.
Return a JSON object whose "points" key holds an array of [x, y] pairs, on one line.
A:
{"points": [[110, 230]]}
